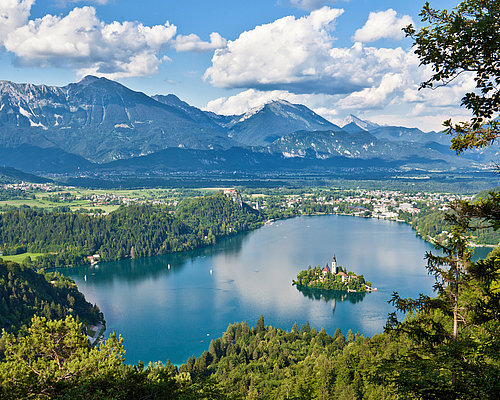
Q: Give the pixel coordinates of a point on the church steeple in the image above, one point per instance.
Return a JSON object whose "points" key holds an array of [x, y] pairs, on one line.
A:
{"points": [[335, 269]]}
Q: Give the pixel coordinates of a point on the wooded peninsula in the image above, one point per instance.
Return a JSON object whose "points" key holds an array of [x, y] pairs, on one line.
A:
{"points": [[140, 230]]}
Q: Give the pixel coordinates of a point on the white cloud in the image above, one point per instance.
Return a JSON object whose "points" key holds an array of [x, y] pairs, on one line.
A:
{"points": [[311, 4], [82, 41], [13, 14], [244, 101], [193, 42], [444, 96], [298, 55], [382, 25], [374, 97], [287, 54], [426, 122], [334, 108]]}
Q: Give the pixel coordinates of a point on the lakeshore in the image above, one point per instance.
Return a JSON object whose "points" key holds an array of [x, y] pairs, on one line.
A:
{"points": [[141, 297]]}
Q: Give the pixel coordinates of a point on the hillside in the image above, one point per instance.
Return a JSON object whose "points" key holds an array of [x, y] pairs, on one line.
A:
{"points": [[12, 175], [355, 145], [98, 119], [263, 125], [24, 293]]}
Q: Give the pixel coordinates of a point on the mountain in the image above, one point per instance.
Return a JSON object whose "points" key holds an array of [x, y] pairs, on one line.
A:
{"points": [[411, 135], [352, 127], [98, 119], [73, 129], [263, 125], [200, 117], [351, 121], [36, 159], [393, 133], [235, 160], [358, 145], [12, 175]]}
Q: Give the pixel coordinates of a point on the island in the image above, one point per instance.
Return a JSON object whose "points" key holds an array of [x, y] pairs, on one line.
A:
{"points": [[334, 278]]}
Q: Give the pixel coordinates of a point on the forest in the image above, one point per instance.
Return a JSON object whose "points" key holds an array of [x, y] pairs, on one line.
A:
{"points": [[264, 362], [142, 230], [432, 225], [25, 293]]}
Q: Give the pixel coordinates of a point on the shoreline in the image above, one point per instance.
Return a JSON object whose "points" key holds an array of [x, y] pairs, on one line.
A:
{"points": [[268, 222]]}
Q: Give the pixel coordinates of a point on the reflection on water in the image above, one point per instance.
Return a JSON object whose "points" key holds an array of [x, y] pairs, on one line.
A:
{"points": [[134, 270], [331, 295], [170, 307]]}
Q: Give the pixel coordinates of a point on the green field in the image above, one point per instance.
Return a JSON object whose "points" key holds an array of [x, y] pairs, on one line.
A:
{"points": [[82, 198], [19, 258]]}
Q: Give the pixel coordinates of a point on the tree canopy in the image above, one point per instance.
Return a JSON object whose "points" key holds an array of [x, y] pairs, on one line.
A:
{"points": [[465, 40]]}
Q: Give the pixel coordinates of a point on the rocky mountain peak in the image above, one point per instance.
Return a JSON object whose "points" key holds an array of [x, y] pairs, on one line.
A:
{"points": [[363, 124]]}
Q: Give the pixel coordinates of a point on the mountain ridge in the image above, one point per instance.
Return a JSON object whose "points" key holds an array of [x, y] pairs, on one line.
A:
{"points": [[97, 120]]}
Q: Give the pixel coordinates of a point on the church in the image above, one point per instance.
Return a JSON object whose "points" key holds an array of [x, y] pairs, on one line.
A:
{"points": [[334, 270]]}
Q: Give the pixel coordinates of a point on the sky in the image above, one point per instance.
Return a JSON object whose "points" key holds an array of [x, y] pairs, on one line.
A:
{"points": [[338, 57]]}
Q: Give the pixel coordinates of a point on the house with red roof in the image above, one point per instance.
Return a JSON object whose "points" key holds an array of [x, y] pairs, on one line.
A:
{"points": [[343, 275]]}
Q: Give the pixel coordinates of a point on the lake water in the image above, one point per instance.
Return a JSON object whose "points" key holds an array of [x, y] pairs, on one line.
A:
{"points": [[170, 307]]}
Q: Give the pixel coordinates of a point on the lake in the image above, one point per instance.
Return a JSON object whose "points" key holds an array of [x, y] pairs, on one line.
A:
{"points": [[170, 307]]}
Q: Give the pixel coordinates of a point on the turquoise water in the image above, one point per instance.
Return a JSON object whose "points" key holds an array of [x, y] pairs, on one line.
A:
{"points": [[170, 307]]}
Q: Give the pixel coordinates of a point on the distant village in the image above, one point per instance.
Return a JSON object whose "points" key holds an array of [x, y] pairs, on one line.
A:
{"points": [[382, 204]]}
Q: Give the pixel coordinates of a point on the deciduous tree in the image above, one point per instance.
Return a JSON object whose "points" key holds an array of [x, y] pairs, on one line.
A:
{"points": [[465, 40]]}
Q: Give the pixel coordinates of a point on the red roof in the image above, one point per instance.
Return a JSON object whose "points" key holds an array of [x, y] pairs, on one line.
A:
{"points": [[342, 273]]}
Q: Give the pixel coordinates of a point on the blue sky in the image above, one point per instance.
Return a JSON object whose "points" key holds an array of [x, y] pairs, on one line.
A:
{"points": [[336, 57]]}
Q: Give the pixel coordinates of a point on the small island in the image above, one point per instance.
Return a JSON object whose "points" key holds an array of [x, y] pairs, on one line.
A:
{"points": [[334, 278]]}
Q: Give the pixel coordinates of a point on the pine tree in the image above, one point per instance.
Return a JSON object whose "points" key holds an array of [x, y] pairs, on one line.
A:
{"points": [[260, 328]]}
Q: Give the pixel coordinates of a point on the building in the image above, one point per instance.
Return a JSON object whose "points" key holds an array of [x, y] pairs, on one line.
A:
{"points": [[335, 267], [326, 270], [343, 276]]}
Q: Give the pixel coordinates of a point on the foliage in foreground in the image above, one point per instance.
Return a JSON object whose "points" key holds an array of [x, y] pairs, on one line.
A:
{"points": [[465, 40], [54, 360], [270, 363]]}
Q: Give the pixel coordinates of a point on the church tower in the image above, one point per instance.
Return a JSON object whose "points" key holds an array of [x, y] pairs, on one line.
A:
{"points": [[335, 268]]}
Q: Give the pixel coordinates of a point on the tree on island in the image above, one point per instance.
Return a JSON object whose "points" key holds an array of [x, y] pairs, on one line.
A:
{"points": [[456, 336], [317, 278]]}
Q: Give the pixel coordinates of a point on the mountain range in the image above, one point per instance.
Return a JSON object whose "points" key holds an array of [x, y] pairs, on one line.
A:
{"points": [[98, 124]]}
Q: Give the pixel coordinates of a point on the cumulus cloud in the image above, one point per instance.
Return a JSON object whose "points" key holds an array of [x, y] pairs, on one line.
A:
{"points": [[382, 25], [82, 41], [449, 95], [287, 54], [193, 42], [374, 97], [299, 56], [311, 4], [13, 14], [248, 99], [243, 101], [396, 108]]}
